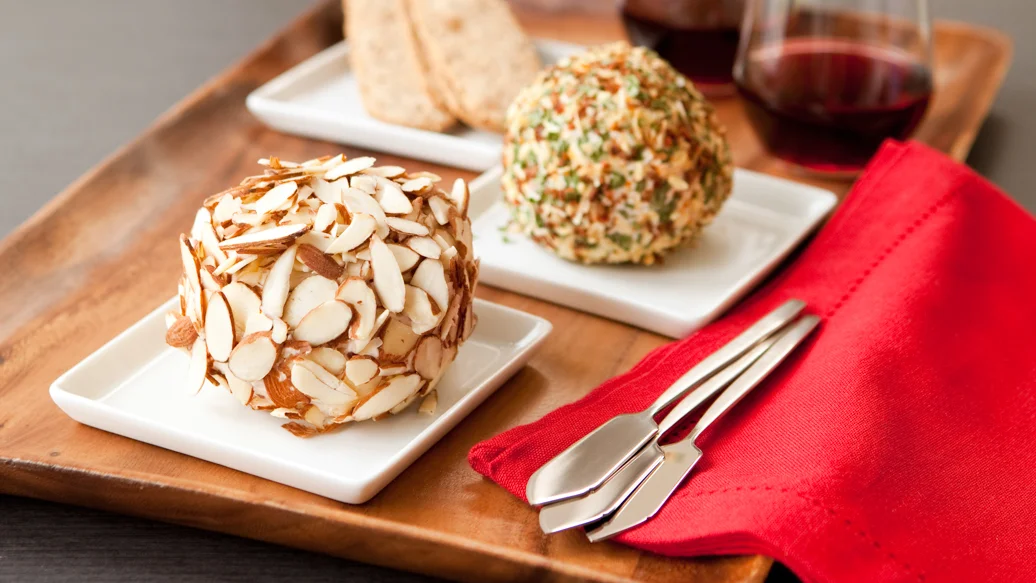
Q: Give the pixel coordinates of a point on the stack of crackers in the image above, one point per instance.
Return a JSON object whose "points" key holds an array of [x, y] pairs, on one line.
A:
{"points": [[429, 63]]}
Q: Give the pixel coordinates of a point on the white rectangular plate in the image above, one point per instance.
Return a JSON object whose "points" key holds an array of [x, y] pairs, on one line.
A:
{"points": [[318, 98], [764, 219], [133, 386]]}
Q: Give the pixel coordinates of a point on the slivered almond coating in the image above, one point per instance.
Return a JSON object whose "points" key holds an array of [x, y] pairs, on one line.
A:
{"points": [[327, 291]]}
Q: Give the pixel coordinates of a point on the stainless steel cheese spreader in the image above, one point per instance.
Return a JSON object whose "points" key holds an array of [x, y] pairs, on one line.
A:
{"points": [[599, 503], [681, 457], [587, 463]]}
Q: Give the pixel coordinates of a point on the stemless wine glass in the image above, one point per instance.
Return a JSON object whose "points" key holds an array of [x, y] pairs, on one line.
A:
{"points": [[826, 81], [698, 37]]}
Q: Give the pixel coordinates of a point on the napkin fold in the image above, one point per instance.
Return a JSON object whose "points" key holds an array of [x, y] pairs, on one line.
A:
{"points": [[899, 443]]}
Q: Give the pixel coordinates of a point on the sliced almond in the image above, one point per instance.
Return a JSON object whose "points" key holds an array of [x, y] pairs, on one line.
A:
{"points": [[275, 197], [310, 293], [257, 322], [246, 219], [253, 357], [405, 258], [392, 369], [325, 163], [399, 408], [440, 209], [380, 321], [391, 393], [361, 369], [210, 282], [198, 368], [470, 319], [425, 246], [278, 330], [418, 307], [182, 333], [358, 201], [326, 215], [460, 196], [417, 185], [424, 174], [319, 262], [368, 184], [443, 238], [428, 357], [278, 283], [327, 192], [207, 235], [391, 197], [408, 227], [243, 303], [320, 241], [430, 277], [219, 328], [385, 171], [373, 347], [311, 380], [243, 262], [301, 430], [282, 391], [431, 401], [267, 241], [462, 232], [242, 390], [397, 341], [324, 323], [449, 321], [191, 268], [355, 292], [314, 416], [349, 167], [356, 233], [226, 208], [330, 359], [388, 279]]}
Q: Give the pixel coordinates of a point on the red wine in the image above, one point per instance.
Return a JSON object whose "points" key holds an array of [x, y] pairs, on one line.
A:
{"points": [[828, 104], [705, 55]]}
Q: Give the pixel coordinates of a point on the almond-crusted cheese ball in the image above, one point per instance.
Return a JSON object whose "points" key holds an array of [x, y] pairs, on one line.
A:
{"points": [[612, 156], [328, 291]]}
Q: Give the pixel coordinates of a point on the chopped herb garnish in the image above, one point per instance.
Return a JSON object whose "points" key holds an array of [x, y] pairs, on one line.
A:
{"points": [[624, 241], [616, 180]]}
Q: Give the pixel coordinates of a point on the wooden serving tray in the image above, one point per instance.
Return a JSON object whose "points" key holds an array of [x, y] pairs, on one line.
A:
{"points": [[103, 254]]}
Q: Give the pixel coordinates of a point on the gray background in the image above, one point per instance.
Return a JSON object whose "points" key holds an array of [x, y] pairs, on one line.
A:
{"points": [[80, 78]]}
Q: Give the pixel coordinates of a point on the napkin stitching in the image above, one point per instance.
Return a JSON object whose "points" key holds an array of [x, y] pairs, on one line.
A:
{"points": [[910, 230], [860, 532]]}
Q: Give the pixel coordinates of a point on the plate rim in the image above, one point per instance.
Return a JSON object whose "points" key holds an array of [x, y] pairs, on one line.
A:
{"points": [[94, 412], [634, 312], [424, 144]]}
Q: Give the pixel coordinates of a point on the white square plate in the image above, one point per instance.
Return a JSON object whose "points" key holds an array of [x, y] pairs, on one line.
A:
{"points": [[764, 219], [133, 386], [318, 98]]}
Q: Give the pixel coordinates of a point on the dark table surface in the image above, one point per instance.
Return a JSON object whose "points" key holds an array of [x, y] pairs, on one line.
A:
{"points": [[81, 78]]}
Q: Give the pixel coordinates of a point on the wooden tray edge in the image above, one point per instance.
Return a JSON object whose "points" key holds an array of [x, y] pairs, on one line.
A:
{"points": [[294, 527], [1004, 47], [48, 479]]}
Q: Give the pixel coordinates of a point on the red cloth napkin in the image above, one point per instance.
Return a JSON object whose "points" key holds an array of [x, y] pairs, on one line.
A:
{"points": [[899, 444]]}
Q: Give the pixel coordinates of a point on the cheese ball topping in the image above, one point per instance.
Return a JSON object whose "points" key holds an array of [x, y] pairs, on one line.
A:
{"points": [[612, 156], [327, 292]]}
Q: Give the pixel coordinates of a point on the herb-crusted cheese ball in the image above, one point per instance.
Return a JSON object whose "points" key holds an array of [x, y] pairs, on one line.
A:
{"points": [[612, 156]]}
